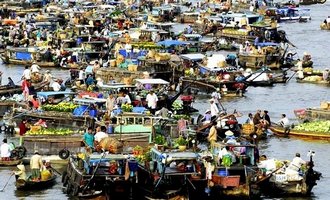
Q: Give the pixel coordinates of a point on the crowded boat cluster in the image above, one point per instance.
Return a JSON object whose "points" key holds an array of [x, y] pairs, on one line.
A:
{"points": [[124, 120]]}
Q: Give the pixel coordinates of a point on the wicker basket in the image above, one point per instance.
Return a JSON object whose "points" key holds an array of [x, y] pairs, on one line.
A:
{"points": [[35, 128], [247, 129]]}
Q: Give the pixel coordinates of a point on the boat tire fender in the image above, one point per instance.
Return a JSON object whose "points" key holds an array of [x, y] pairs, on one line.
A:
{"points": [[64, 154], [21, 151]]}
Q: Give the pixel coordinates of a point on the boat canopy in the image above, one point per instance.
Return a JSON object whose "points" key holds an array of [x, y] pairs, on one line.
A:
{"points": [[152, 81], [193, 56], [51, 93]]}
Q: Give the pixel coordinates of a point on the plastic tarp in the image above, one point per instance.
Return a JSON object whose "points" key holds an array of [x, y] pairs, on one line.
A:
{"points": [[168, 43], [23, 56], [266, 44]]}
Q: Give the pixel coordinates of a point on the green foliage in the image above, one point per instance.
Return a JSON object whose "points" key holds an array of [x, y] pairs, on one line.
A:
{"points": [[51, 131], [315, 126], [160, 140], [181, 141], [61, 107], [177, 105], [127, 107]]}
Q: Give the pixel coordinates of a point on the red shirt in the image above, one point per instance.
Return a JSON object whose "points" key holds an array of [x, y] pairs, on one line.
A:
{"points": [[22, 128]]}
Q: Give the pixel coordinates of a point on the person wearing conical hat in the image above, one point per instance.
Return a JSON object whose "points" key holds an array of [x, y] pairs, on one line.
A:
{"points": [[20, 173]]}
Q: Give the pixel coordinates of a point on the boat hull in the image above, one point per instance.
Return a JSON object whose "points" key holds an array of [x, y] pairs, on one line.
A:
{"points": [[10, 162], [35, 185], [279, 131]]}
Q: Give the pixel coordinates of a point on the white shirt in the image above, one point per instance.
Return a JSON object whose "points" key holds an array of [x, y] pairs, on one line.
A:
{"points": [[35, 68], [5, 150], [127, 99], [284, 122], [56, 86], [81, 75], [152, 100], [328, 20], [27, 74], [99, 136], [214, 109], [216, 96], [296, 163]]}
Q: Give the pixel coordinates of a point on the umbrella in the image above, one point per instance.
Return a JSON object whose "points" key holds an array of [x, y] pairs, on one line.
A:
{"points": [[168, 43]]}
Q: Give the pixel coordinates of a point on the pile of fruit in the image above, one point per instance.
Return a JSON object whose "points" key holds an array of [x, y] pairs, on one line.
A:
{"points": [[310, 70], [50, 131], [177, 105], [230, 31], [315, 126], [61, 107], [313, 78]]}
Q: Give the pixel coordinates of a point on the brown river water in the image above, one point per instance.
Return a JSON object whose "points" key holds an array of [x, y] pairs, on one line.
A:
{"points": [[282, 98]]}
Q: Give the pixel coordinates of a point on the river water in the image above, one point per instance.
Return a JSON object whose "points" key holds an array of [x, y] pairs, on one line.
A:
{"points": [[282, 98]]}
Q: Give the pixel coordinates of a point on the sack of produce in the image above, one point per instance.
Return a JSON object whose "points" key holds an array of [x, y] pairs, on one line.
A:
{"points": [[111, 144], [45, 175]]}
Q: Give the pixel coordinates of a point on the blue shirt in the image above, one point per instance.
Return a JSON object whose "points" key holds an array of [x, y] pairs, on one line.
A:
{"points": [[89, 139]]}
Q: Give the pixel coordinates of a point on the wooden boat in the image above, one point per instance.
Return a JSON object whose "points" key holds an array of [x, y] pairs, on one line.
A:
{"points": [[279, 131], [324, 26], [172, 181], [270, 57], [24, 56], [312, 80], [105, 173], [10, 162], [310, 2], [232, 89], [235, 180], [35, 185], [281, 185], [9, 90]]}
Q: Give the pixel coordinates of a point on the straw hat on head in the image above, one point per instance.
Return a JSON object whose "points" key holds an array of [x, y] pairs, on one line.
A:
{"points": [[21, 167], [208, 110], [36, 152], [229, 133]]}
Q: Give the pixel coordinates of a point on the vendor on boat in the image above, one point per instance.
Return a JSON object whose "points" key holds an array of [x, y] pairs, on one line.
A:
{"points": [[296, 163], [36, 165], [10, 82], [213, 135], [89, 138], [214, 108], [5, 150], [285, 123], [20, 174], [23, 127]]}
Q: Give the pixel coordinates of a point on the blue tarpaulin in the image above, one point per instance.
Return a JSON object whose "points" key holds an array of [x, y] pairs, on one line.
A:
{"points": [[266, 44], [23, 56], [168, 43]]}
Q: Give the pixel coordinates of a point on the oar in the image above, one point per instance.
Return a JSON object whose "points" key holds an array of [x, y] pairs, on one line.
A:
{"points": [[6, 183], [55, 170]]}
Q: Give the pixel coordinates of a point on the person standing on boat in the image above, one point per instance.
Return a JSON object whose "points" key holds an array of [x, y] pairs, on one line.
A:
{"points": [[110, 103], [325, 75], [266, 117], [213, 134], [5, 150], [216, 96], [152, 100], [285, 123], [100, 135], [89, 138], [214, 108], [26, 73], [35, 165]]}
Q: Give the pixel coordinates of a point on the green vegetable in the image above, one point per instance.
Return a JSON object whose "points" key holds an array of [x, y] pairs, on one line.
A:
{"points": [[315, 126]]}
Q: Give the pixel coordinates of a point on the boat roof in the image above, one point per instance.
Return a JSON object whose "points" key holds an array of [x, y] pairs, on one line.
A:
{"points": [[177, 155], [152, 81], [192, 35], [51, 93], [108, 156], [116, 86], [88, 100], [193, 56]]}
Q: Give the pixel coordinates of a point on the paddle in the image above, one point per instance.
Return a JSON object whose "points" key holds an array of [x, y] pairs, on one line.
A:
{"points": [[6, 183], [56, 171]]}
